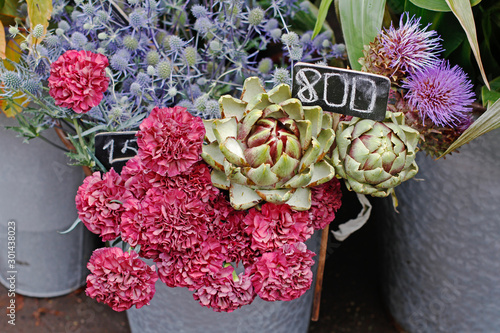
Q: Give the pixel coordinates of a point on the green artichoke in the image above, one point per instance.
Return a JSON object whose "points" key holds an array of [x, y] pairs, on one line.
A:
{"points": [[267, 146], [373, 157]]}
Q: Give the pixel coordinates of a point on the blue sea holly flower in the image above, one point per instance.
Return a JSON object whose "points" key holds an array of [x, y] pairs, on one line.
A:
{"points": [[441, 93]]}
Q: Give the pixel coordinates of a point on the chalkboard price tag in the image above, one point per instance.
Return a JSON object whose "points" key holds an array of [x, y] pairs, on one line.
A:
{"points": [[339, 90], [114, 149]]}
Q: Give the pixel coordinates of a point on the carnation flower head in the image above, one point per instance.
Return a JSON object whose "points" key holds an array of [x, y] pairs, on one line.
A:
{"points": [[99, 203], [326, 199], [120, 279], [283, 275], [78, 80], [440, 93], [276, 225], [227, 293], [409, 47], [170, 140]]}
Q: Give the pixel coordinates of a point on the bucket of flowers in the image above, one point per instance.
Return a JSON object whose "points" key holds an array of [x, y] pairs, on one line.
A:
{"points": [[231, 174]]}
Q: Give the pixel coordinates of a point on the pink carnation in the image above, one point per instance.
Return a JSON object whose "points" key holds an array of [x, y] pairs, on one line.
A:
{"points": [[119, 279], [170, 140], [192, 267], [165, 220], [276, 225], [283, 275], [99, 203], [138, 179], [228, 227], [225, 294], [326, 199], [78, 80]]}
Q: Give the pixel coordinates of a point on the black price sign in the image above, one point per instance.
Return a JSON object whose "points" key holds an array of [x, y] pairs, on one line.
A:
{"points": [[114, 149], [339, 90]]}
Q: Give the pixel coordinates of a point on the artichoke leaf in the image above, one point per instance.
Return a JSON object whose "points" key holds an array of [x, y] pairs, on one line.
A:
{"points": [[260, 102], [293, 108], [353, 169], [280, 93], [311, 155], [321, 173], [251, 88], [232, 107], [377, 176], [262, 176], [305, 131], [225, 128], [234, 174], [220, 180], [274, 111], [212, 155], [300, 200], [245, 127], [276, 196], [363, 126], [243, 197], [300, 179], [285, 166], [325, 139], [209, 130], [256, 156], [315, 115], [233, 152]]}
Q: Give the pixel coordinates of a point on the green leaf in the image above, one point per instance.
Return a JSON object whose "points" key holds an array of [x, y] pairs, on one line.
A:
{"points": [[490, 96], [361, 21], [39, 12], [438, 5], [322, 12], [488, 121], [463, 11], [72, 227]]}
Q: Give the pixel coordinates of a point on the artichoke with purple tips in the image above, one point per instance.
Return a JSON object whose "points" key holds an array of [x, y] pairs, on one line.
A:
{"points": [[267, 146], [373, 157]]}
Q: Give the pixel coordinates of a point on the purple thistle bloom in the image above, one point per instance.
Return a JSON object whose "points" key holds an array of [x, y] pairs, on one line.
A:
{"points": [[410, 48], [441, 93]]}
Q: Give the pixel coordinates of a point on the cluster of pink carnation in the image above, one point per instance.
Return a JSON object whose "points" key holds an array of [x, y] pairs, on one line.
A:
{"points": [[326, 199], [78, 80], [226, 294], [165, 204], [276, 225], [170, 140], [284, 274], [99, 203], [120, 279]]}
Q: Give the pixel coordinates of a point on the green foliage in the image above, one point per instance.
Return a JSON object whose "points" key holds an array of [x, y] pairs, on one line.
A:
{"points": [[438, 5], [361, 21]]}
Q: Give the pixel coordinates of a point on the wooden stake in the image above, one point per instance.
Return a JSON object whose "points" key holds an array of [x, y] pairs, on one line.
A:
{"points": [[319, 274]]}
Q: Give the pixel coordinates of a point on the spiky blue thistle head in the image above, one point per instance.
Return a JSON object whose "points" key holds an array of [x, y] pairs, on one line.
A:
{"points": [[152, 57], [78, 40], [199, 11], [409, 47], [203, 25], [64, 25], [441, 93], [281, 75], [11, 80], [270, 25], [255, 16], [130, 42], [138, 19]]}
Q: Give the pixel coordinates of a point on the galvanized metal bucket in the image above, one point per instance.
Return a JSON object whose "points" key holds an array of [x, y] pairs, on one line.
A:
{"points": [[37, 195], [441, 253]]}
